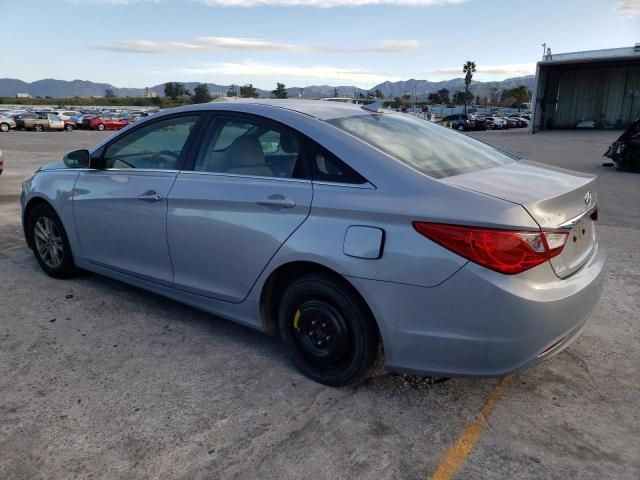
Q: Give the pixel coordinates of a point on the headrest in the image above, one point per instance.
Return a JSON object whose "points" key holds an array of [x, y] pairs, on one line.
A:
{"points": [[245, 151], [289, 143]]}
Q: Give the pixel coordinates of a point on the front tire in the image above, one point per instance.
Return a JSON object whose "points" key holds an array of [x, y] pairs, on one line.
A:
{"points": [[4, 127], [37, 128], [100, 127], [68, 128], [327, 331], [49, 242]]}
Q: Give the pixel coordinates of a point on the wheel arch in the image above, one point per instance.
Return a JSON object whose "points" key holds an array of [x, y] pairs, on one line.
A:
{"points": [[31, 204], [281, 277]]}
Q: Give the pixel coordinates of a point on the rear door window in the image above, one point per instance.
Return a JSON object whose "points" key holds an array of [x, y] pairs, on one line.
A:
{"points": [[250, 146], [326, 167]]}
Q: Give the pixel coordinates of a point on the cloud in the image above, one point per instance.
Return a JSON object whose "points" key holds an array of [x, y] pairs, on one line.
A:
{"points": [[327, 3], [254, 44], [628, 8], [317, 74], [515, 69]]}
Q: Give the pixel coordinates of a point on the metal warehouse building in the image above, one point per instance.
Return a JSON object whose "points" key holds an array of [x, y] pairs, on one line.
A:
{"points": [[599, 85]]}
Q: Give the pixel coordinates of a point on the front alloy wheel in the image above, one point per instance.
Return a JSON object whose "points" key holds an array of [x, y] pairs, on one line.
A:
{"points": [[49, 242]]}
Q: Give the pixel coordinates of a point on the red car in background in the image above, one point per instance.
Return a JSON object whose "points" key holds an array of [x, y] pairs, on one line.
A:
{"points": [[104, 123]]}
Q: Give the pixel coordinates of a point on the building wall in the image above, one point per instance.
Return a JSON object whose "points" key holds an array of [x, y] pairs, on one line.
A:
{"points": [[566, 94], [609, 96]]}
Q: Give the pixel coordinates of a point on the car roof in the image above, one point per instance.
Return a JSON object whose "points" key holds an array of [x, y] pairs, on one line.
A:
{"points": [[319, 109]]}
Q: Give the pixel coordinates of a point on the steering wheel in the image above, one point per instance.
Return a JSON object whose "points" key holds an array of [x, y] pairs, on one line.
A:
{"points": [[164, 160], [118, 161]]}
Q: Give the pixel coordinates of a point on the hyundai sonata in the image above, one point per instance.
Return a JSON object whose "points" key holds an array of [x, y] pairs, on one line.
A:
{"points": [[351, 231]]}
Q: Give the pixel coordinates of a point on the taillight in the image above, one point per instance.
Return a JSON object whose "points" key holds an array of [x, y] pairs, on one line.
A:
{"points": [[505, 251]]}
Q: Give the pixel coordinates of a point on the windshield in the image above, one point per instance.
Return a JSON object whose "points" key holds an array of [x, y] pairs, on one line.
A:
{"points": [[434, 150]]}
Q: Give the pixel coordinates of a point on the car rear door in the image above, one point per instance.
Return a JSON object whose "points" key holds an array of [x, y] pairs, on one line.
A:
{"points": [[120, 208], [248, 191], [55, 122]]}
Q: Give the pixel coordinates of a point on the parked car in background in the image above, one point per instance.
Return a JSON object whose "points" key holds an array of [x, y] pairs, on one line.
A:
{"points": [[101, 122], [478, 123], [511, 122], [301, 217], [66, 114], [496, 123], [40, 121], [135, 116], [7, 123], [521, 121], [77, 118], [69, 125], [460, 122]]}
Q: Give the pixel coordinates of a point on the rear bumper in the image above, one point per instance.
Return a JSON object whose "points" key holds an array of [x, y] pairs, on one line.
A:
{"points": [[482, 323]]}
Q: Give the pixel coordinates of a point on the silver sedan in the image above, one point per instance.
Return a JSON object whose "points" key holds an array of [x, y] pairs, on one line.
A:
{"points": [[352, 231]]}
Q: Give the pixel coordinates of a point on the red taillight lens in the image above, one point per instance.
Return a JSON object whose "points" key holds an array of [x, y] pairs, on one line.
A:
{"points": [[505, 251]]}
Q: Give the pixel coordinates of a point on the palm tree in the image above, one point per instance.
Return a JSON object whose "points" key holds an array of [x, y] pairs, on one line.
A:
{"points": [[468, 69]]}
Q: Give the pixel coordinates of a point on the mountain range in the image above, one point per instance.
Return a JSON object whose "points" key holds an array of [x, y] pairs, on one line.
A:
{"points": [[48, 87]]}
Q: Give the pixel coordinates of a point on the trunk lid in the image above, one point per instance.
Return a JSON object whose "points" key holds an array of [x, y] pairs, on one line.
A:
{"points": [[556, 199]]}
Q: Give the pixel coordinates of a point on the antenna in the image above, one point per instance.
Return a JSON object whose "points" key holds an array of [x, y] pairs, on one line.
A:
{"points": [[375, 106]]}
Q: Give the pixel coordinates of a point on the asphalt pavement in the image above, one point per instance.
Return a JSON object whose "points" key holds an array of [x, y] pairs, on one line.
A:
{"points": [[102, 380]]}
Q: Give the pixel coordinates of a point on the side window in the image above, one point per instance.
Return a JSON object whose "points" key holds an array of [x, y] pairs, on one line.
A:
{"points": [[155, 146], [329, 168], [241, 146]]}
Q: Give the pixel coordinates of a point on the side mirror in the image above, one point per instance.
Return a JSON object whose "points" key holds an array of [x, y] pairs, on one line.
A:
{"points": [[77, 159]]}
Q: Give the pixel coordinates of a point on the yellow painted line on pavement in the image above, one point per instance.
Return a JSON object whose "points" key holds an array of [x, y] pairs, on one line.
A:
{"points": [[456, 455]]}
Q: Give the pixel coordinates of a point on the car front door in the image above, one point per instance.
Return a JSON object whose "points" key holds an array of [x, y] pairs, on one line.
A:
{"points": [[248, 192], [120, 208]]}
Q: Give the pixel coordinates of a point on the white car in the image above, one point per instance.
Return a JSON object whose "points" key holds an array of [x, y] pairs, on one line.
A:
{"points": [[499, 123], [67, 114]]}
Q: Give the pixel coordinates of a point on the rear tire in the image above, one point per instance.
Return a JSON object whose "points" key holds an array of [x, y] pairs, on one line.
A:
{"points": [[49, 242], [68, 128], [4, 127], [37, 128], [100, 127], [327, 331]]}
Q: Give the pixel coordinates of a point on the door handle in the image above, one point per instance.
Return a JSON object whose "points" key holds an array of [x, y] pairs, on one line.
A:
{"points": [[150, 196], [277, 201]]}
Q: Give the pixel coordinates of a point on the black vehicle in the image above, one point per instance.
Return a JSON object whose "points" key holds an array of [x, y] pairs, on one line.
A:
{"points": [[478, 124], [460, 122], [625, 151]]}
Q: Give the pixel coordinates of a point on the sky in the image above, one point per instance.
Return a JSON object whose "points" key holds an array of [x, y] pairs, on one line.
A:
{"points": [[138, 43]]}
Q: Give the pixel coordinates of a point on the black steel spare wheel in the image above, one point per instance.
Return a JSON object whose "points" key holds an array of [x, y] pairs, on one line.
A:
{"points": [[327, 330], [322, 334]]}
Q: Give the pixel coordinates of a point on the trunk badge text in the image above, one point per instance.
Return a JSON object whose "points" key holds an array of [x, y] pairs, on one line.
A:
{"points": [[587, 198]]}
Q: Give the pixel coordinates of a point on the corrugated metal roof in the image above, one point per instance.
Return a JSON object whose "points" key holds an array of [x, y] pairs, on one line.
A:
{"points": [[604, 54]]}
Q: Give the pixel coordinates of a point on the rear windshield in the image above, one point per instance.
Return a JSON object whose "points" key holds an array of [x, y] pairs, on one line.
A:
{"points": [[429, 148]]}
